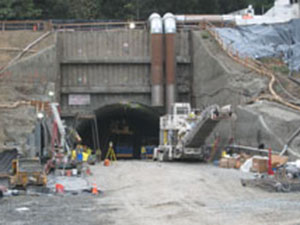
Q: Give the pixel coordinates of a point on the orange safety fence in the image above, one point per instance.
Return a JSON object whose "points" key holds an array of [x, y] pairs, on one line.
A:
{"points": [[40, 106]]}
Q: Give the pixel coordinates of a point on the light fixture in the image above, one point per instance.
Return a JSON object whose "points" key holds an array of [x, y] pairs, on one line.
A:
{"points": [[40, 115], [51, 93], [131, 25]]}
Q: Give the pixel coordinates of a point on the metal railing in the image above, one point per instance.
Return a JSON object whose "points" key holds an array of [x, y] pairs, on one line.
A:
{"points": [[40, 25], [34, 25]]}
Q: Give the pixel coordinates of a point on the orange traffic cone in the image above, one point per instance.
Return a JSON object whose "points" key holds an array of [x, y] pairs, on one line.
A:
{"points": [[94, 189], [88, 171], [68, 173], [60, 189], [106, 162]]}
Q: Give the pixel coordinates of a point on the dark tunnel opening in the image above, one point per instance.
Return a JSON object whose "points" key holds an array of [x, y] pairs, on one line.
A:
{"points": [[129, 126]]}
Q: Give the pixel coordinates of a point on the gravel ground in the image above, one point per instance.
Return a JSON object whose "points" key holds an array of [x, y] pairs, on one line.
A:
{"points": [[146, 192]]}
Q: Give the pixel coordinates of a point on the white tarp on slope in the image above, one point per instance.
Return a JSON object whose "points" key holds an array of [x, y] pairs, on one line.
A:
{"points": [[259, 41]]}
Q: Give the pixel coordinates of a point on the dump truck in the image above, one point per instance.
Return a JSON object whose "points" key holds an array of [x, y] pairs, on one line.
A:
{"points": [[27, 171], [184, 131]]}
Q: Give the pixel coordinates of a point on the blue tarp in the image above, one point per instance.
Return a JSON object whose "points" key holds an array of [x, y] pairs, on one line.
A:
{"points": [[260, 41]]}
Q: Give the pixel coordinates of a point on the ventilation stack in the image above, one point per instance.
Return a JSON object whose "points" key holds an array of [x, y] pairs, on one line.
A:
{"points": [[157, 88], [170, 58]]}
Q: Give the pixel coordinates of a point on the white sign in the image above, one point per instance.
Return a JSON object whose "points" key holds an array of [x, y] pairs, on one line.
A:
{"points": [[79, 99]]}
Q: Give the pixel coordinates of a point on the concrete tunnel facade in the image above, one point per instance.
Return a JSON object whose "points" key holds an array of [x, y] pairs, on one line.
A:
{"points": [[102, 72]]}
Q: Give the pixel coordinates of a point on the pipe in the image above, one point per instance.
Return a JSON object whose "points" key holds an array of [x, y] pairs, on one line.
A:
{"points": [[157, 89], [200, 18], [170, 54], [249, 148]]}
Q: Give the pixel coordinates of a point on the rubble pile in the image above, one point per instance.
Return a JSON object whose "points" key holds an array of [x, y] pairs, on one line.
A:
{"points": [[273, 173]]}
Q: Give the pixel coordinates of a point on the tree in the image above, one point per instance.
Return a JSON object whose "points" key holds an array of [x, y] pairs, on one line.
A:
{"points": [[6, 11], [226, 6], [82, 9], [18, 9], [53, 9], [119, 9], [24, 9]]}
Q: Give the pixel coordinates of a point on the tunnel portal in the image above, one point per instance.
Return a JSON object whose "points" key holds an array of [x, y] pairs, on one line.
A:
{"points": [[129, 126]]}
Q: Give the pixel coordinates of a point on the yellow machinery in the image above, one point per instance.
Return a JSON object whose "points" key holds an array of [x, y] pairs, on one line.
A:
{"points": [[27, 172]]}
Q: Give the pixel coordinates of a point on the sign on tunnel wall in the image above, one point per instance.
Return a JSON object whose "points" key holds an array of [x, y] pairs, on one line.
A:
{"points": [[75, 99]]}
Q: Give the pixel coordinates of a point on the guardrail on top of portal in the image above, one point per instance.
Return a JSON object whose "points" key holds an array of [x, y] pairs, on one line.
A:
{"points": [[40, 25]]}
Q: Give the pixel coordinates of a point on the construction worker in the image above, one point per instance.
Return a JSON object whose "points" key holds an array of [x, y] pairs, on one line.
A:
{"points": [[85, 155], [73, 154], [143, 152], [79, 150], [79, 156], [98, 155], [89, 151], [192, 115]]}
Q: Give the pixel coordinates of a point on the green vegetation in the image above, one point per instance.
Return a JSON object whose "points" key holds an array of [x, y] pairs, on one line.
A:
{"points": [[118, 9], [283, 69], [276, 65]]}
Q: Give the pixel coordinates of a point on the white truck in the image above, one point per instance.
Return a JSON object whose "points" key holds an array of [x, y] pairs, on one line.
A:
{"points": [[183, 133]]}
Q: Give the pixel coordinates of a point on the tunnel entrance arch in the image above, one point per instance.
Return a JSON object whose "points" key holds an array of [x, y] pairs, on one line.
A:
{"points": [[129, 125]]}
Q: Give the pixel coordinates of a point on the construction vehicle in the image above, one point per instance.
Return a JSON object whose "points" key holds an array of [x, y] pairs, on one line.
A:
{"points": [[27, 172], [6, 159], [183, 133], [63, 139]]}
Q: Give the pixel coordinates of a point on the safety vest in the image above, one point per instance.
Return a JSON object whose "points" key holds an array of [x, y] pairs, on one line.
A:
{"points": [[74, 154], [85, 156], [143, 150], [89, 151]]}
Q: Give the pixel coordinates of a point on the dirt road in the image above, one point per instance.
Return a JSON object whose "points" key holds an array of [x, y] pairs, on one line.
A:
{"points": [[188, 193], [149, 193]]}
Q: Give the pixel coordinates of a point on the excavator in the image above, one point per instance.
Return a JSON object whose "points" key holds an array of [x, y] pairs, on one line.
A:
{"points": [[22, 172]]}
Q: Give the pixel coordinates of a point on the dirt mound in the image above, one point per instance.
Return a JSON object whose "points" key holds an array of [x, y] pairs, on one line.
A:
{"points": [[219, 79]]}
